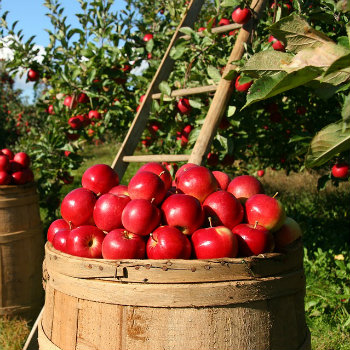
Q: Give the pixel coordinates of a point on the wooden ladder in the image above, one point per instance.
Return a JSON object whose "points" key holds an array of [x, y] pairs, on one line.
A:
{"points": [[216, 110]]}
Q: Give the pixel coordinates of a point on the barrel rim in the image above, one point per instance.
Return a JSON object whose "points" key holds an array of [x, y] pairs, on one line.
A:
{"points": [[26, 185]]}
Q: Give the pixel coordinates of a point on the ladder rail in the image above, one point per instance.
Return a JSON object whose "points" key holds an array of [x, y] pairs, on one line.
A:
{"points": [[139, 123], [224, 90]]}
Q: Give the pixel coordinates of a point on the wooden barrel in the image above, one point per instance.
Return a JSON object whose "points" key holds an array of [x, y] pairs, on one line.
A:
{"points": [[253, 303], [21, 251]]}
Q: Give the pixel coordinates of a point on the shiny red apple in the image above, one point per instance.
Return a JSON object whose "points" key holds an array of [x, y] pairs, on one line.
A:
{"points": [[223, 22], [108, 211], [23, 159], [77, 207], [214, 242], [147, 37], [276, 44], [261, 173], [94, 115], [33, 75], [122, 244], [160, 171], [56, 226], [119, 190], [184, 106], [59, 240], [167, 243], [245, 186], [265, 210], [141, 216], [253, 239], [198, 182], [183, 212], [85, 241], [147, 185], [241, 16], [224, 209], [222, 178], [244, 87], [340, 170], [5, 178], [8, 152], [99, 178], [4, 163]]}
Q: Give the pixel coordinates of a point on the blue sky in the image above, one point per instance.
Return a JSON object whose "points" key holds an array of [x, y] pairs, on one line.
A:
{"points": [[31, 18]]}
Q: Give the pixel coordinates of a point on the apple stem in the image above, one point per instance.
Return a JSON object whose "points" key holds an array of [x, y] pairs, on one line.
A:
{"points": [[152, 200], [256, 224], [151, 235], [70, 225], [275, 195], [210, 221], [163, 172]]}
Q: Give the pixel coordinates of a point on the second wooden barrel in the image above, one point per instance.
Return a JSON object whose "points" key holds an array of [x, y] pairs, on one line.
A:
{"points": [[21, 251]]}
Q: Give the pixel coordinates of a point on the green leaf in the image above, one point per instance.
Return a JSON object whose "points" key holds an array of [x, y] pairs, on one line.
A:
{"points": [[331, 140], [345, 113], [267, 62], [230, 75], [214, 74], [230, 3], [195, 104], [187, 30], [150, 45], [273, 85], [322, 182], [297, 33], [177, 51], [165, 88], [231, 111]]}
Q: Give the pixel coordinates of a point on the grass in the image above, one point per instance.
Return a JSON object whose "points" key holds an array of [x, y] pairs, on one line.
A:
{"points": [[324, 218]]}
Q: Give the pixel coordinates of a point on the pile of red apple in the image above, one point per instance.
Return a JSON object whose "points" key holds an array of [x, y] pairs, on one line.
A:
{"points": [[200, 214], [14, 168]]}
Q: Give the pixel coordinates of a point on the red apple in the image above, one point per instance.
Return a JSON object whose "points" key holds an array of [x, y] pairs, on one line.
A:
{"points": [[108, 211], [265, 210], [212, 159], [5, 178], [183, 106], [160, 171], [77, 207], [147, 185], [4, 163], [59, 240], [56, 226], [183, 169], [198, 182], [68, 102], [276, 44], [94, 115], [245, 186], [242, 87], [288, 233], [340, 170], [140, 216], [23, 159], [222, 178], [83, 98], [167, 243], [142, 98], [99, 178], [241, 16], [201, 29], [261, 173], [32, 75], [19, 177], [122, 244], [50, 109], [147, 37], [85, 241], [119, 190], [224, 209], [224, 22], [8, 152], [183, 212], [75, 123], [214, 242], [253, 239]]}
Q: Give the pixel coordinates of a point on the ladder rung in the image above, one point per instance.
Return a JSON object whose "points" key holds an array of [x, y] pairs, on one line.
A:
{"points": [[217, 30], [189, 91], [157, 158]]}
